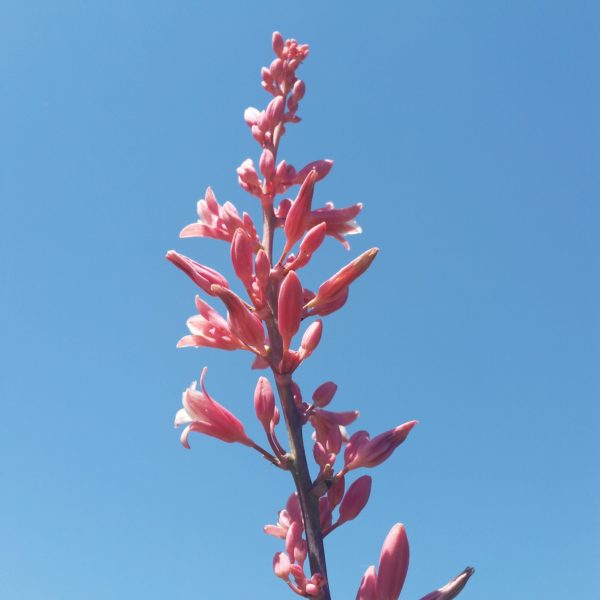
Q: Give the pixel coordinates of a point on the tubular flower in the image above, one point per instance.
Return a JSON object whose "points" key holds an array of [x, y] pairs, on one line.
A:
{"points": [[219, 222], [209, 329], [204, 415], [364, 452]]}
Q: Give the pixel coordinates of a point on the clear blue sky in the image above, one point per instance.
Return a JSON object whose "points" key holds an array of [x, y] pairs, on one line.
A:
{"points": [[469, 130]]}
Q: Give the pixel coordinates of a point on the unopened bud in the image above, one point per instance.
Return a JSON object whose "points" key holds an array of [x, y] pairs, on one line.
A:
{"points": [[355, 499], [289, 308]]}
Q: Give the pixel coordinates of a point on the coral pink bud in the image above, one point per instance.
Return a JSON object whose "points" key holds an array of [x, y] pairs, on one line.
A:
{"points": [[248, 178], [264, 402], [313, 239], [251, 115], [330, 305], [289, 308], [258, 134], [298, 572], [363, 452], [292, 506], [274, 112], [299, 89], [203, 277], [324, 394], [284, 208], [242, 322], [367, 589], [267, 163], [242, 257], [322, 168], [312, 590], [263, 267], [343, 278], [277, 43], [293, 537], [336, 491], [281, 566], [207, 416], [309, 244], [453, 588], [299, 213], [393, 564], [355, 499], [266, 77], [311, 339], [320, 454], [276, 67]]}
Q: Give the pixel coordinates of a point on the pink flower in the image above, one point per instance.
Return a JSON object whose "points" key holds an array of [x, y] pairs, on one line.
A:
{"points": [[355, 499], [311, 339], [340, 221], [242, 258], [297, 219], [452, 588], [309, 245], [290, 305], [242, 321], [264, 403], [324, 394], [321, 168], [203, 277], [248, 178], [281, 566], [364, 452], [367, 589], [209, 329], [338, 283], [204, 415], [219, 222], [393, 564]]}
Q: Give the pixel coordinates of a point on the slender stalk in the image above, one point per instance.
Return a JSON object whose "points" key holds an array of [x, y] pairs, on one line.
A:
{"points": [[297, 463], [299, 468]]}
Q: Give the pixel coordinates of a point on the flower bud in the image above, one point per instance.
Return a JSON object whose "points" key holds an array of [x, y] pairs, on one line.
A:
{"points": [[311, 339], [267, 163], [321, 166], [277, 43], [355, 499], [342, 279], [242, 322], [203, 277], [264, 402], [299, 213], [289, 308], [336, 491], [364, 452], [299, 89], [393, 564], [324, 394], [281, 566], [367, 589], [274, 112], [242, 257], [309, 245], [452, 588]]}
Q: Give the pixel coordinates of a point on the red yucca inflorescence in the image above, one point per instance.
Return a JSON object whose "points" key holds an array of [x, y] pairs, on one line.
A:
{"points": [[266, 323]]}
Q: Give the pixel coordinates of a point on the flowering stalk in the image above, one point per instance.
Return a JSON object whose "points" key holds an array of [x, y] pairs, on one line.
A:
{"points": [[266, 325]]}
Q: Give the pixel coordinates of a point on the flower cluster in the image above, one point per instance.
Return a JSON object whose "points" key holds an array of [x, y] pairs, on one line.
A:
{"points": [[267, 322]]}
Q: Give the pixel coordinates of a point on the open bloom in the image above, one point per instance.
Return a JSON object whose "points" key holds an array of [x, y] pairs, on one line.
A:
{"points": [[207, 416], [209, 329], [219, 222]]}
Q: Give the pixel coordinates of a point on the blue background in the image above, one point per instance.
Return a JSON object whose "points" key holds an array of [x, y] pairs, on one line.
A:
{"points": [[469, 130]]}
